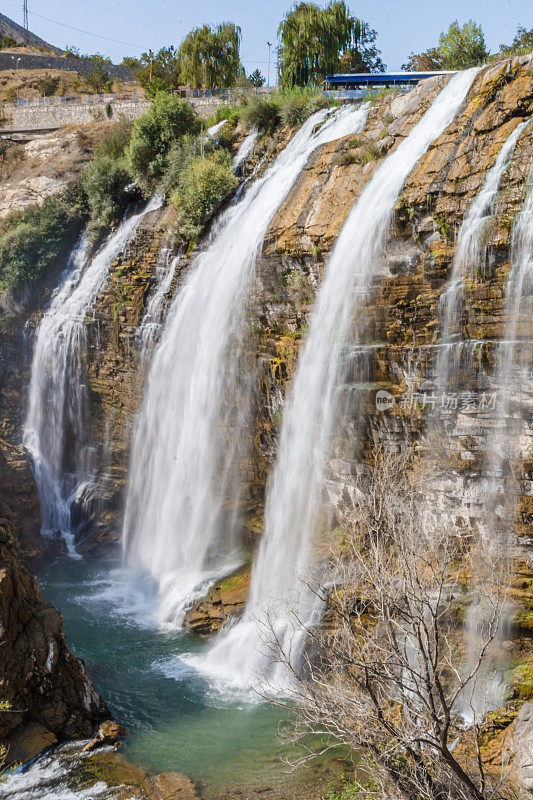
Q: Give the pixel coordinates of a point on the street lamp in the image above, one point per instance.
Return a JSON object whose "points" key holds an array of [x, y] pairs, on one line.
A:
{"points": [[268, 80], [17, 70]]}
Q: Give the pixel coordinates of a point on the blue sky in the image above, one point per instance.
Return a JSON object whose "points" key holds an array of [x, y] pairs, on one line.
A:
{"points": [[402, 25]]}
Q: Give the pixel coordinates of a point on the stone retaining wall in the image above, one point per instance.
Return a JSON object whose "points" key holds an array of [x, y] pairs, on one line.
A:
{"points": [[49, 116], [72, 113]]}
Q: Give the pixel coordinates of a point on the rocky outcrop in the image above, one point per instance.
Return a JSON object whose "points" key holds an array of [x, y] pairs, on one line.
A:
{"points": [[47, 691], [522, 746], [44, 166], [225, 600]]}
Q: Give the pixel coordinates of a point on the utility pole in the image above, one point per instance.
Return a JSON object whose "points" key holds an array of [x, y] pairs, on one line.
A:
{"points": [[25, 21], [268, 79]]}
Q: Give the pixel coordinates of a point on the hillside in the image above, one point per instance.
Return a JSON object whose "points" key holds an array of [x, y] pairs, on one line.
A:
{"points": [[10, 28]]}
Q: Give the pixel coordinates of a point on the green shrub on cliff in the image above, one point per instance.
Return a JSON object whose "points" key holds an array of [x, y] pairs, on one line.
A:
{"points": [[179, 157], [289, 107], [203, 184], [104, 182], [32, 240], [261, 113], [167, 120]]}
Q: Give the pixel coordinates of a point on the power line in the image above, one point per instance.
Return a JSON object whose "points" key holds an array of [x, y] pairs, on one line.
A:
{"points": [[81, 30]]}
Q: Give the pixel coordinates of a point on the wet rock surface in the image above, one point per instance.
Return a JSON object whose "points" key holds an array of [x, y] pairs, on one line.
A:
{"points": [[49, 692]]}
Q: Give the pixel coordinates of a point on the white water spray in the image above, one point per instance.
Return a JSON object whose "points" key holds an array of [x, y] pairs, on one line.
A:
{"points": [[181, 512], [470, 255], [155, 308], [245, 148], [55, 431], [296, 486]]}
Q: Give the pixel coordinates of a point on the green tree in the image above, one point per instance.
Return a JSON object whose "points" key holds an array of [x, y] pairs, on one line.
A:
{"points": [[210, 56], [522, 42], [462, 47], [157, 71], [8, 41], [428, 61], [364, 56], [168, 118], [257, 78], [48, 85], [314, 40], [98, 78]]}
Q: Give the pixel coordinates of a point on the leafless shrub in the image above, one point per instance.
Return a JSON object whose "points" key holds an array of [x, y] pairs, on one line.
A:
{"points": [[386, 671]]}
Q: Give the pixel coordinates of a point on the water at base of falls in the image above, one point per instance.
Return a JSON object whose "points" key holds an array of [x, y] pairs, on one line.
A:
{"points": [[295, 489], [177, 721], [181, 521]]}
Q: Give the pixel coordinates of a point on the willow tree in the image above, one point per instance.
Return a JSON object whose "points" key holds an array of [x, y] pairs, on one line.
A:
{"points": [[210, 56], [315, 41]]}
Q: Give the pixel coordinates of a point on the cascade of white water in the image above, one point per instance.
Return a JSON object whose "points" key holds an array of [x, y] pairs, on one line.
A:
{"points": [[214, 129], [155, 308], [513, 378], [180, 523], [295, 489], [470, 254], [513, 382], [55, 430], [245, 148]]}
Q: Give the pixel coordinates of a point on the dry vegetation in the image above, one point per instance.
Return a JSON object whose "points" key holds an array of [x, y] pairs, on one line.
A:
{"points": [[69, 83], [33, 170], [387, 673]]}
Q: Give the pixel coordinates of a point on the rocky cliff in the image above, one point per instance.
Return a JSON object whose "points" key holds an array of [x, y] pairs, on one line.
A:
{"points": [[46, 693], [402, 315], [403, 323]]}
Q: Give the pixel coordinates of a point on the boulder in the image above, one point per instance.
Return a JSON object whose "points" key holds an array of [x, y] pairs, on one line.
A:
{"points": [[171, 786], [108, 733]]}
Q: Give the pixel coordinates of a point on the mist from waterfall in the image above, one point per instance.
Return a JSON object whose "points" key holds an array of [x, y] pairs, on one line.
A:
{"points": [[470, 255], [296, 486], [181, 517], [56, 431]]}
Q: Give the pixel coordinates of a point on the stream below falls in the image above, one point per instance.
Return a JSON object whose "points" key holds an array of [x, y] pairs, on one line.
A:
{"points": [[178, 721]]}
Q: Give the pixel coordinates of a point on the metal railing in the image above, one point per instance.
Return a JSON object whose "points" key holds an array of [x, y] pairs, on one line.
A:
{"points": [[77, 99], [138, 97]]}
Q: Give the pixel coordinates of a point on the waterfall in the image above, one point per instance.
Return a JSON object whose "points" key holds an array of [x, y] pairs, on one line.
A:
{"points": [[55, 430], [509, 379], [155, 308], [181, 510], [245, 148], [470, 254], [214, 129], [296, 486]]}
